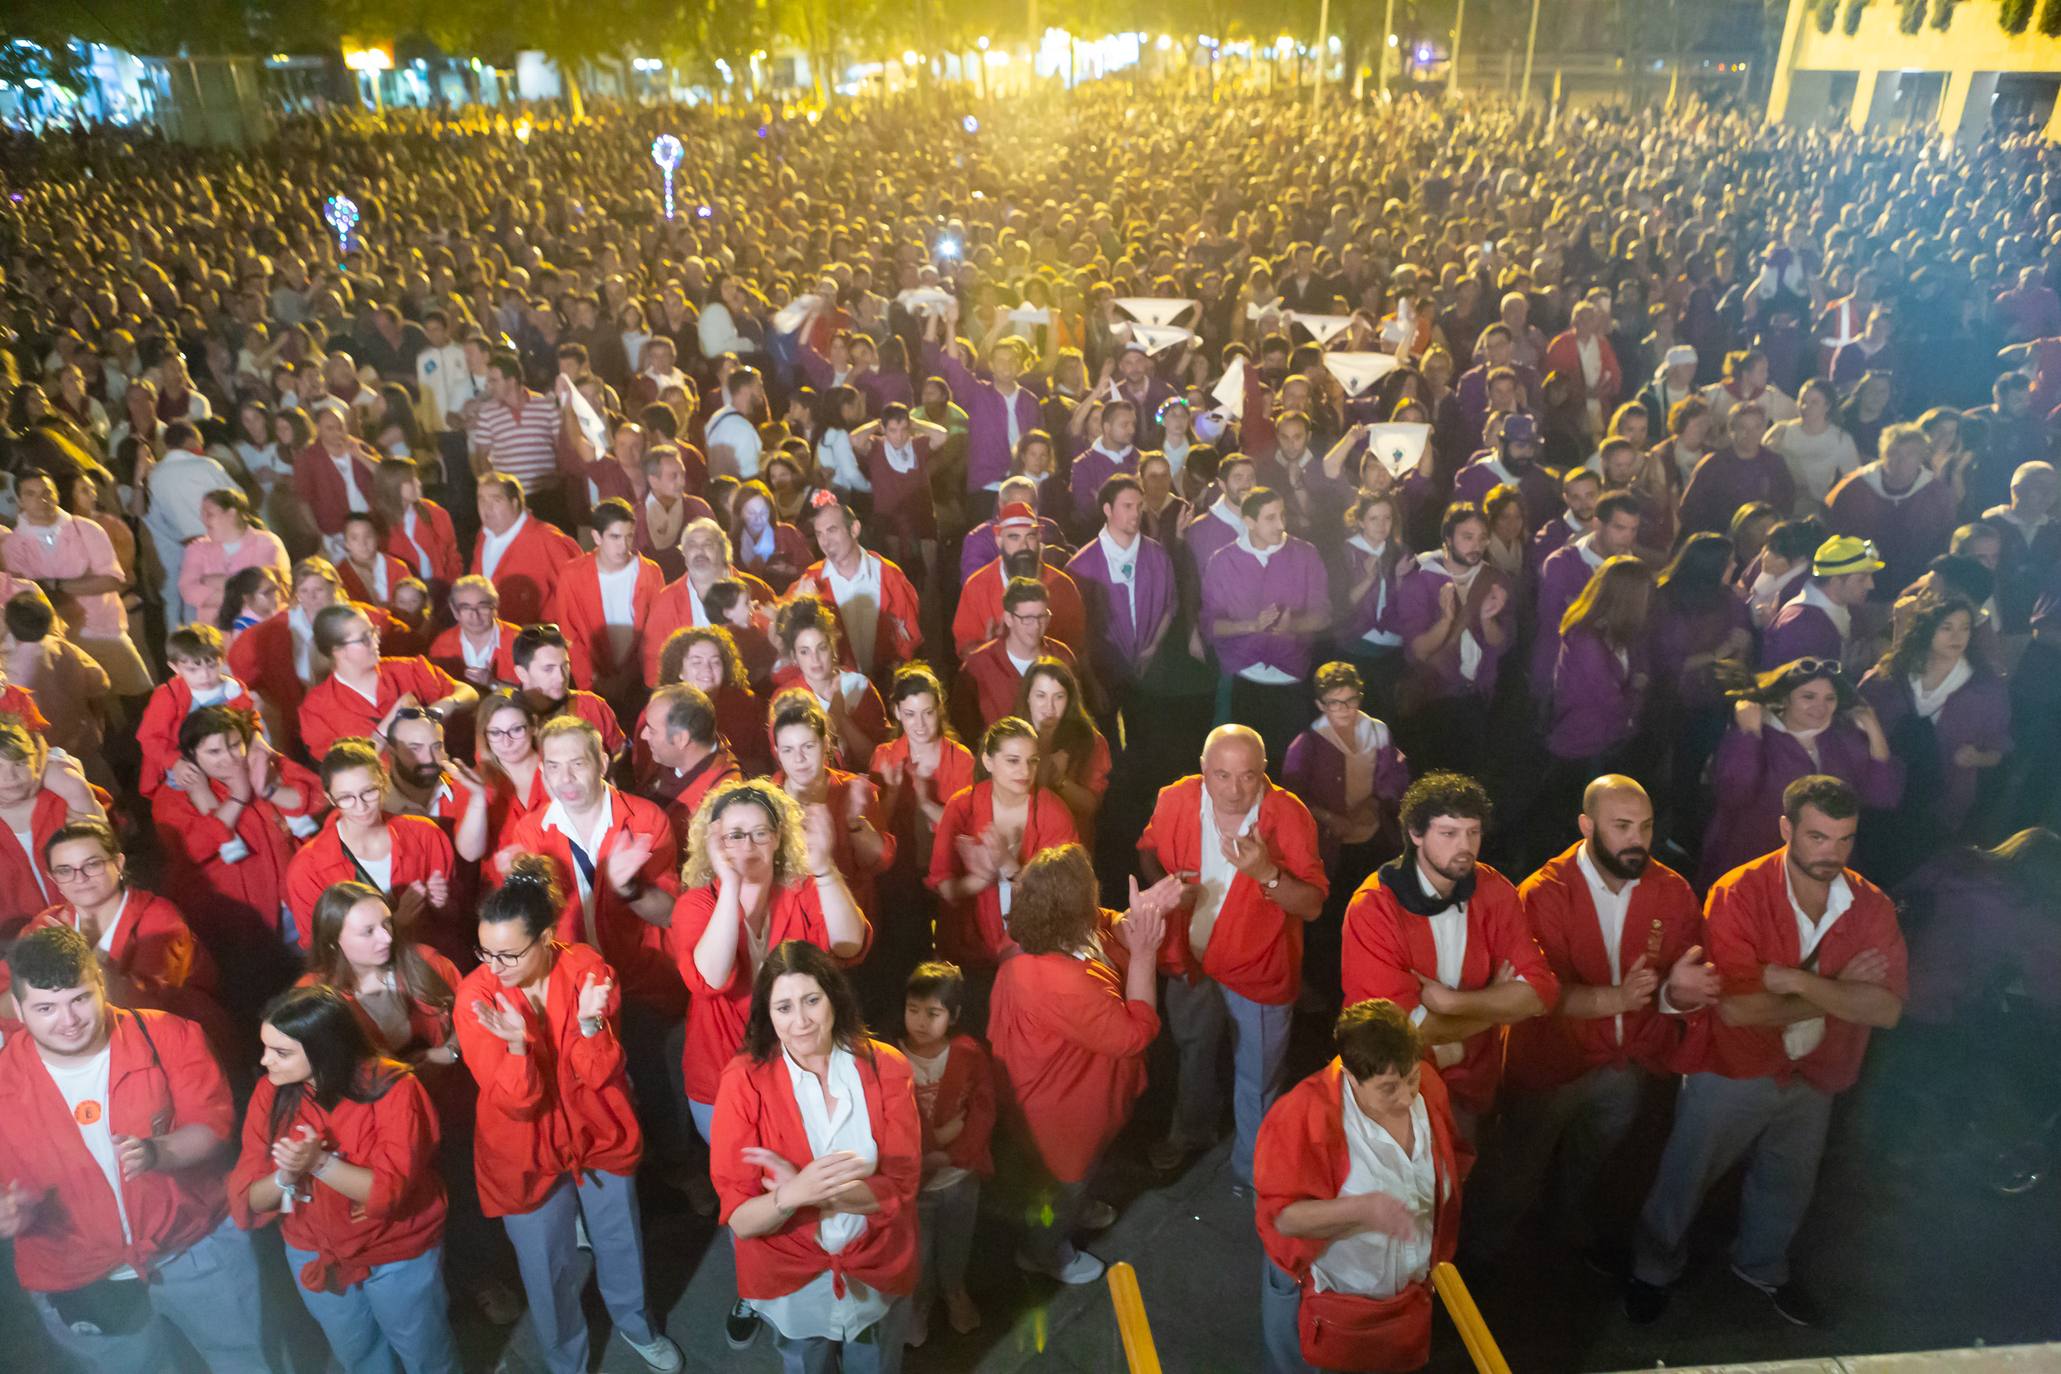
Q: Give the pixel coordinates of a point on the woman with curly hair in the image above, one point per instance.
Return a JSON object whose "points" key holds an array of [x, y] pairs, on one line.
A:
{"points": [[808, 635], [706, 657], [759, 873]]}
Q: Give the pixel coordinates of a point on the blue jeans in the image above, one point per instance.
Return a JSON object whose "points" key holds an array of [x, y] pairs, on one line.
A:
{"points": [[1199, 1014], [1779, 1128], [879, 1351], [397, 1318], [704, 1114], [548, 1255], [1280, 1311], [944, 1238], [208, 1293]]}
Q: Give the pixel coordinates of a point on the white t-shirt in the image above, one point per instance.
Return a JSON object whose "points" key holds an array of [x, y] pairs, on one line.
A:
{"points": [[27, 840], [858, 605], [619, 607], [85, 1092], [1815, 461], [493, 546]]}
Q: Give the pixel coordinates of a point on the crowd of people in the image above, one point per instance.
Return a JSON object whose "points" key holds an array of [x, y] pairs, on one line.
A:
{"points": [[536, 694]]}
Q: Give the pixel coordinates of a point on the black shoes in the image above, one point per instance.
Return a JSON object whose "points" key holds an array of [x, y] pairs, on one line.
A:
{"points": [[741, 1327], [1644, 1302]]}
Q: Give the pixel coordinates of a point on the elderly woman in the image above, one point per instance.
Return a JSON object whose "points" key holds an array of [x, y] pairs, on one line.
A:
{"points": [[1073, 1016], [817, 1156], [1803, 717], [232, 543]]}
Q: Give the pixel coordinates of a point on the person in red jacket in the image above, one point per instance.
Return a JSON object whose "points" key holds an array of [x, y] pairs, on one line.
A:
{"points": [[1811, 960], [113, 1147], [817, 1154], [38, 794], [877, 607], [407, 859], [1021, 554], [516, 551], [479, 647], [1234, 955], [687, 758], [807, 634], [194, 653], [862, 849], [603, 605], [544, 673], [418, 531], [992, 675], [1073, 1016], [1623, 934], [363, 691], [339, 1148], [1445, 938], [277, 660], [557, 1140], [1358, 1176], [955, 1097], [334, 476], [370, 574]]}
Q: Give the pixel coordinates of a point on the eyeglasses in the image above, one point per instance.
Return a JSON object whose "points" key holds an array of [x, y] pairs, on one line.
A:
{"points": [[1341, 701], [507, 733], [92, 868], [472, 608], [501, 958], [370, 641], [757, 839], [1031, 617]]}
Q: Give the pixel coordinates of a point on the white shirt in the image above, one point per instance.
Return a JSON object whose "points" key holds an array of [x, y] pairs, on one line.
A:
{"points": [[834, 455], [741, 438], [928, 1074], [84, 1083], [483, 656], [27, 840], [344, 463], [555, 818], [176, 485], [1009, 413], [493, 546], [1449, 939], [619, 606], [1123, 567], [814, 1310], [382, 871], [858, 604], [1799, 1038], [1610, 913], [442, 375], [1369, 1263], [1214, 873]]}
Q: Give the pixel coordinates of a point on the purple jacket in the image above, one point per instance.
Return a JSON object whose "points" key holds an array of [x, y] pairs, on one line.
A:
{"points": [[1315, 771], [1723, 482], [1417, 611], [1676, 635], [1377, 609], [1119, 639], [1983, 926], [879, 388], [1091, 468], [987, 422], [1537, 488], [1561, 579], [1204, 535], [1551, 537], [1236, 587], [1596, 699], [1978, 713], [1800, 630], [978, 549], [1749, 773]]}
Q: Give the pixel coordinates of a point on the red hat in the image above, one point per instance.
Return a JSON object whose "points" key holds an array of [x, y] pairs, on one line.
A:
{"points": [[1017, 515]]}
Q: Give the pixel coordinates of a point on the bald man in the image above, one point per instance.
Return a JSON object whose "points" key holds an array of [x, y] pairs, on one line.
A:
{"points": [[1248, 849], [1621, 932]]}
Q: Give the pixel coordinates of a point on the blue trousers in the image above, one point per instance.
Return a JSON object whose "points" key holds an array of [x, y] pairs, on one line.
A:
{"points": [[1199, 1014], [1779, 1129], [398, 1319], [207, 1293], [547, 1252], [879, 1353], [1280, 1311]]}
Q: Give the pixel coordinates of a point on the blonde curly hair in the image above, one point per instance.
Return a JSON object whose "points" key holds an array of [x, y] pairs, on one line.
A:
{"points": [[790, 855]]}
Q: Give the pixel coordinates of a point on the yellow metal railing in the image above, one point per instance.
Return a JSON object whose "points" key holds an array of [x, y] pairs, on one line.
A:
{"points": [[1141, 1356]]}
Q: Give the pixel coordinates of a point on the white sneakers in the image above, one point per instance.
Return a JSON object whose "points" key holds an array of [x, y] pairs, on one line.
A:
{"points": [[1082, 1268], [662, 1355]]}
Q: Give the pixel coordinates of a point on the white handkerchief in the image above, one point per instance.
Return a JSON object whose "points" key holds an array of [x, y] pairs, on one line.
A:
{"points": [[1030, 314], [1230, 390], [1358, 371], [1403, 327], [795, 314], [924, 300], [591, 426], [1400, 444], [1324, 328], [1158, 339], [1153, 309], [1255, 310]]}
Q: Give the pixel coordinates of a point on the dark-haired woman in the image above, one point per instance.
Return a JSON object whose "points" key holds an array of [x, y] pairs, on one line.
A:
{"points": [[817, 1154], [338, 1145], [918, 771], [1073, 756], [1073, 1015], [1947, 717], [557, 1139], [1702, 641], [808, 635]]}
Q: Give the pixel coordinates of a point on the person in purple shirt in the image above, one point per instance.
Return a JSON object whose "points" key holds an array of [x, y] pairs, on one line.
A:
{"points": [[1000, 409], [1375, 561], [1563, 576], [1318, 492], [1127, 583], [1137, 383], [1496, 383], [1456, 618], [1580, 490], [1743, 471], [854, 361], [1599, 677], [1111, 453], [1701, 646], [1219, 524], [1514, 461], [1803, 717], [1265, 598], [1947, 716], [978, 549], [1349, 773], [1816, 622]]}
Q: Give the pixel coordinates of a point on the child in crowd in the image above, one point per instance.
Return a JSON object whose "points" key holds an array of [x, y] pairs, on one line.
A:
{"points": [[194, 653], [955, 1097]]}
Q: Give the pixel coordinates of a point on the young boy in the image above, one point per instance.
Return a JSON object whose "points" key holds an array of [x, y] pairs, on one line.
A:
{"points": [[195, 655], [955, 1096], [43, 665]]}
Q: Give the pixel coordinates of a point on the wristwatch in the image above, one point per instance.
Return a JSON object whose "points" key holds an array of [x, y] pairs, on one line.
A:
{"points": [[1274, 882]]}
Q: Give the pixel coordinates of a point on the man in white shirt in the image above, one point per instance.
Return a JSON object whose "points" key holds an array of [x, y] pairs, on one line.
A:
{"points": [[732, 432], [176, 484]]}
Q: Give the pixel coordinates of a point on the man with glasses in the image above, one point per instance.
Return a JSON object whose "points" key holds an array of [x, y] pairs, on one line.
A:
{"points": [[479, 648], [117, 1136], [979, 618], [544, 675], [995, 670]]}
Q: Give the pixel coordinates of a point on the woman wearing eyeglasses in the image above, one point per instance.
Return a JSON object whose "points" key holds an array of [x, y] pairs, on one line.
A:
{"points": [[557, 1139], [1803, 717], [363, 690], [508, 761], [408, 860], [338, 1148], [758, 874]]}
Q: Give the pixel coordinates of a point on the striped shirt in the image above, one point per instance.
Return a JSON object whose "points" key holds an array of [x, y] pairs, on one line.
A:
{"points": [[522, 445]]}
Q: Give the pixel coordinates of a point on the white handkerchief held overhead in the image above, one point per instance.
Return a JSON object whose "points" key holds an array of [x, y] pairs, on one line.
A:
{"points": [[1255, 310], [1158, 340], [795, 314], [1400, 443], [1029, 314], [1358, 371], [1324, 328], [1154, 309], [1230, 390], [925, 300]]}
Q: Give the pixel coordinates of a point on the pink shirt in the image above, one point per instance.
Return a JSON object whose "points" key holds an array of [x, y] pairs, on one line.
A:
{"points": [[76, 548], [206, 558]]}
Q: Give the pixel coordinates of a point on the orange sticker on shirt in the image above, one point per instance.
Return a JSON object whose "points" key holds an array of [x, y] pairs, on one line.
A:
{"points": [[86, 1113]]}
